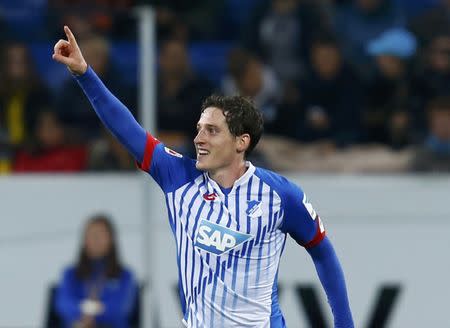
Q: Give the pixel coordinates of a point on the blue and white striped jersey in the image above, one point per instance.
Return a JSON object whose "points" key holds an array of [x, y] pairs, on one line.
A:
{"points": [[229, 242]]}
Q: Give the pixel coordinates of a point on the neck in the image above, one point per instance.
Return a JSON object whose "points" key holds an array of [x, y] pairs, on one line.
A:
{"points": [[226, 177]]}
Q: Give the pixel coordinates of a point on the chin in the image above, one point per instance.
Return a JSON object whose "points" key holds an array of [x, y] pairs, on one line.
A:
{"points": [[200, 166]]}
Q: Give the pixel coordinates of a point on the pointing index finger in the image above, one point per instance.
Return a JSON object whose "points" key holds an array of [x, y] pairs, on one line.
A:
{"points": [[70, 36]]}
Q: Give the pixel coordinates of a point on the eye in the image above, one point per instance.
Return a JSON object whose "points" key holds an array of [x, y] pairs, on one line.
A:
{"points": [[212, 130]]}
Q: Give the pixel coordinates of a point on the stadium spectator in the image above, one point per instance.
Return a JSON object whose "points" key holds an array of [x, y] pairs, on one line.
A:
{"points": [[434, 21], [386, 116], [188, 20], [4, 31], [49, 150], [361, 21], [107, 154], [249, 77], [331, 96], [280, 32], [179, 96], [432, 78], [22, 94], [111, 18], [98, 291], [83, 125], [434, 154]]}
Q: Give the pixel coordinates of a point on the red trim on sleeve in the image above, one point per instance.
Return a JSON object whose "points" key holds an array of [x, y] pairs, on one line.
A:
{"points": [[150, 145], [320, 235]]}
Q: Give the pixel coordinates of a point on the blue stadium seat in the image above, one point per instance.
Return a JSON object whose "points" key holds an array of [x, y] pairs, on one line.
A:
{"points": [[24, 18], [52, 73], [239, 11], [209, 59], [125, 56], [416, 7]]}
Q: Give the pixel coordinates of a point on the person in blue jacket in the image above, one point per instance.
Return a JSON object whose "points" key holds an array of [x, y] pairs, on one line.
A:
{"points": [[98, 291]]}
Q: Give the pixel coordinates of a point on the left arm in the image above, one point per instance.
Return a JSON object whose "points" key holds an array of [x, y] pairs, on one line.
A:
{"points": [[332, 278], [304, 225]]}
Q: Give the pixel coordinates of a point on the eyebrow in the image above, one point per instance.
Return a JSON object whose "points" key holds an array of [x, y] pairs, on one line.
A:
{"points": [[208, 125]]}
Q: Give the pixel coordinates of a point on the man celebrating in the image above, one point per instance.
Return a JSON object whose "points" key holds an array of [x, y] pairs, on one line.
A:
{"points": [[229, 218]]}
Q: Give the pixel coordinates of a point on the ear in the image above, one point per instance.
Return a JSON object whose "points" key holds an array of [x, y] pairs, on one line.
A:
{"points": [[243, 142]]}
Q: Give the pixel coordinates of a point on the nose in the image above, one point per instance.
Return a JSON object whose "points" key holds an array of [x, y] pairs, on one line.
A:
{"points": [[199, 138]]}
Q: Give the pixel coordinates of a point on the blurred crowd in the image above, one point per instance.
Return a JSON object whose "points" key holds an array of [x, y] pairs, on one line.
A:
{"points": [[344, 86]]}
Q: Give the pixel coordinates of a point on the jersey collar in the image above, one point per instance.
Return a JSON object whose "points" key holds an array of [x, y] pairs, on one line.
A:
{"points": [[242, 180]]}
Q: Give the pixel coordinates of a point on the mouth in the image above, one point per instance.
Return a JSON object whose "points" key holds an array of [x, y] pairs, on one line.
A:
{"points": [[202, 152]]}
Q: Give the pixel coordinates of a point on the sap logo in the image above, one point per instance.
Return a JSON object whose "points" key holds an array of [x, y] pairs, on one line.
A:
{"points": [[217, 239], [254, 208]]}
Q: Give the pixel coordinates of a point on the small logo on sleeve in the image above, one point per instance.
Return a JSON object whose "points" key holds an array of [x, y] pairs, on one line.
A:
{"points": [[172, 152], [313, 213], [309, 207]]}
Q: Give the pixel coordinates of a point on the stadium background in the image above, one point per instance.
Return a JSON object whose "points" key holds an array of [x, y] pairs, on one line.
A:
{"points": [[345, 93]]}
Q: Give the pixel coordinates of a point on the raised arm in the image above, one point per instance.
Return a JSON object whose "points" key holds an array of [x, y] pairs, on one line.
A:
{"points": [[114, 115]]}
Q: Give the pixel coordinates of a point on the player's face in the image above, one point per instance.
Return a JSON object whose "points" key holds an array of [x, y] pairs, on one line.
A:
{"points": [[97, 240], [216, 147]]}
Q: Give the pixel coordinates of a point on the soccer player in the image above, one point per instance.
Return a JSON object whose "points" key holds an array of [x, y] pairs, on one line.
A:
{"points": [[229, 218]]}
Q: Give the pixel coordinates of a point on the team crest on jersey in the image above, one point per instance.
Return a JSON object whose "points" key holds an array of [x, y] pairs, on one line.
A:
{"points": [[172, 152], [254, 208], [218, 239]]}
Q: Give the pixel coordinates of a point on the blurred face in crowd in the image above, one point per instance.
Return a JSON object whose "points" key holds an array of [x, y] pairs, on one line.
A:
{"points": [[80, 25], [96, 53], [17, 67], [251, 81], [49, 131], [368, 5], [390, 66], [440, 123], [284, 6], [173, 59], [326, 60], [439, 54], [97, 240]]}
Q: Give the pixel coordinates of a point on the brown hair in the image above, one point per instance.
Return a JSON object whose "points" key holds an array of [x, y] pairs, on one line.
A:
{"points": [[241, 116], [441, 103], [113, 267]]}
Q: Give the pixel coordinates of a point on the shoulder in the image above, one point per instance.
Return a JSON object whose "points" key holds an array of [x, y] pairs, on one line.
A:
{"points": [[70, 273], [169, 154], [282, 185], [128, 278], [127, 273]]}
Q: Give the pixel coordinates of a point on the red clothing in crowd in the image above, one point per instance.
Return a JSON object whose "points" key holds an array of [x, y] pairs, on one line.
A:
{"points": [[63, 159]]}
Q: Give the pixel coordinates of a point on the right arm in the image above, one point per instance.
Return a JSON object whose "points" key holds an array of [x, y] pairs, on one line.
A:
{"points": [[169, 169], [114, 115]]}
